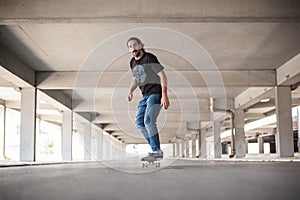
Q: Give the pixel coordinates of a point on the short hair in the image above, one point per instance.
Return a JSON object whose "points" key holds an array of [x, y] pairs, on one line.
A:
{"points": [[137, 40]]}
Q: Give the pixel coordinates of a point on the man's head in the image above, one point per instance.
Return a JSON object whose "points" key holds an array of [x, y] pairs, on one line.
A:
{"points": [[135, 46]]}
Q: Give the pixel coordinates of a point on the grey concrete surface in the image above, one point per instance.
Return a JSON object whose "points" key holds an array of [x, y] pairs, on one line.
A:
{"points": [[180, 179]]}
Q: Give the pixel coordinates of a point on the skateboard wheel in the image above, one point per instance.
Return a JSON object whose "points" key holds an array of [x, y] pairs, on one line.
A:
{"points": [[144, 165]]}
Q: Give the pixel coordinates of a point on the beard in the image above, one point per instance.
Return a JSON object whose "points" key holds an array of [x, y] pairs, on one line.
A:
{"points": [[136, 53]]}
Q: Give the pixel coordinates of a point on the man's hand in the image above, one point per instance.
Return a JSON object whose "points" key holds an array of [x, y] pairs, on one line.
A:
{"points": [[130, 97], [133, 86], [165, 101]]}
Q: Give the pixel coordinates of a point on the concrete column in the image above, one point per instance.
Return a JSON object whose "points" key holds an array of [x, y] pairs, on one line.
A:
{"points": [[225, 148], [104, 143], [38, 139], [2, 132], [94, 144], [123, 150], [109, 149], [217, 139], [194, 148], [298, 123], [87, 140], [28, 124], [260, 144], [246, 146], [112, 150], [240, 149], [284, 134], [187, 148], [197, 144], [183, 148], [174, 149], [202, 141], [100, 145], [177, 149], [66, 135]]}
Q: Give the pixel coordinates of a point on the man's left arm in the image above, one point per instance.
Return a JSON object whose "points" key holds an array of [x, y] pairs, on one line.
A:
{"points": [[163, 81]]}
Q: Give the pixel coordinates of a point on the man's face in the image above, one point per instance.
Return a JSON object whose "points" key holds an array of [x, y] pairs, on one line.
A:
{"points": [[134, 48]]}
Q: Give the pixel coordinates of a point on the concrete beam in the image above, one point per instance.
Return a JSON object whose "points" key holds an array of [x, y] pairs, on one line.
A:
{"points": [[269, 104], [66, 80], [289, 73], [78, 122], [250, 115], [56, 119], [270, 131], [105, 104], [108, 117], [117, 133], [57, 11], [13, 104], [57, 98], [111, 127], [71, 80], [15, 71], [252, 96]]}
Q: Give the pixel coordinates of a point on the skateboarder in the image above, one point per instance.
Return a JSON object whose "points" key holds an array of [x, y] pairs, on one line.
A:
{"points": [[149, 76]]}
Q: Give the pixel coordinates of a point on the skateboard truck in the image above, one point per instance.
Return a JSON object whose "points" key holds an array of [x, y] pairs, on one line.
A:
{"points": [[150, 161]]}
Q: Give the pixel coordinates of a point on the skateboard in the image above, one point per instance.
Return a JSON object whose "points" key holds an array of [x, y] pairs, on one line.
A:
{"points": [[150, 161]]}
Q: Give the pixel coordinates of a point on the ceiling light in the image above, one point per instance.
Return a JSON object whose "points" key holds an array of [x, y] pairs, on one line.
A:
{"points": [[265, 100], [43, 102]]}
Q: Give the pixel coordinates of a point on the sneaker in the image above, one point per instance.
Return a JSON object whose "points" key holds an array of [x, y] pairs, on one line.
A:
{"points": [[159, 154], [149, 158]]}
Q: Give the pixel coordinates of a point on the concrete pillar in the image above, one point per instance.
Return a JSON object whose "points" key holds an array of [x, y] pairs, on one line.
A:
{"points": [[28, 124], [197, 145], [202, 141], [246, 146], [240, 149], [225, 147], [174, 149], [94, 144], [183, 148], [2, 132], [187, 148], [284, 134], [109, 149], [100, 145], [260, 144], [123, 150], [38, 139], [104, 143], [66, 135], [298, 123], [177, 149], [87, 140], [112, 149], [194, 148], [217, 138]]}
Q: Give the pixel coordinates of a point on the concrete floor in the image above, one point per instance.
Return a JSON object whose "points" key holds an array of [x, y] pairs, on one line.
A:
{"points": [[176, 179]]}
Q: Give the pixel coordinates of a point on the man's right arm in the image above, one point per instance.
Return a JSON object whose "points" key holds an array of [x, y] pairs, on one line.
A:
{"points": [[133, 86]]}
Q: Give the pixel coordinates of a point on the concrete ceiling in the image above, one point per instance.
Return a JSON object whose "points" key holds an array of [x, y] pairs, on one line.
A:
{"points": [[210, 49]]}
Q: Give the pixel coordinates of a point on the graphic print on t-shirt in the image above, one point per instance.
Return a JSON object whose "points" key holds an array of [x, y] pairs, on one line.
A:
{"points": [[140, 74]]}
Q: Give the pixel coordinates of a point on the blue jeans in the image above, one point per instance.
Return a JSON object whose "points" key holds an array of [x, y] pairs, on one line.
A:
{"points": [[147, 113]]}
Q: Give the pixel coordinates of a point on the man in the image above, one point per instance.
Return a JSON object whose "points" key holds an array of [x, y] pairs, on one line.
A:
{"points": [[148, 74]]}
